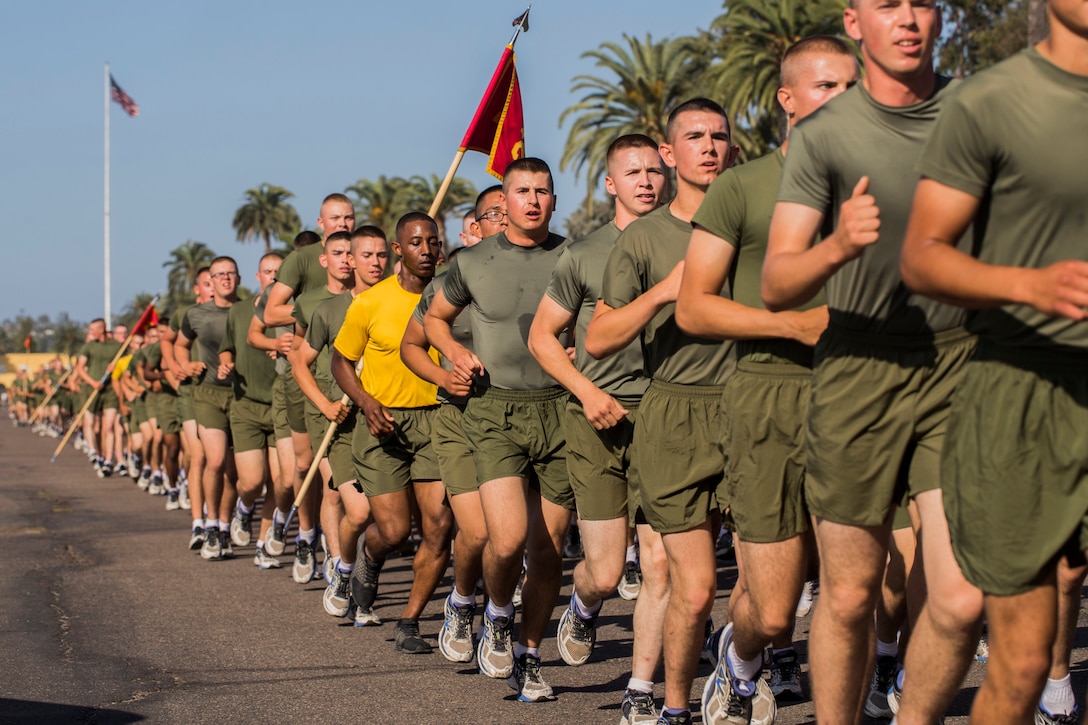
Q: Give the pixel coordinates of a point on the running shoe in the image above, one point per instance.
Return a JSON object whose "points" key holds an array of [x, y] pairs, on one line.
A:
{"points": [[337, 598], [365, 617], [804, 604], [455, 638], [876, 704], [305, 568], [241, 527], [183, 497], [683, 718], [576, 636], [277, 539], [723, 548], [785, 675], [211, 549], [528, 681], [630, 582], [226, 550], [172, 502], [495, 653], [406, 638], [727, 699], [364, 585], [197, 539], [1042, 717], [264, 560], [637, 708]]}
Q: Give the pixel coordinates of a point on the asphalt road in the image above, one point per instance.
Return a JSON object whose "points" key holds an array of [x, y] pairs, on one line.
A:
{"points": [[106, 617]]}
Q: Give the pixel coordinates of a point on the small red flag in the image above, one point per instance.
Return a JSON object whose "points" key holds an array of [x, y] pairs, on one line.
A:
{"points": [[119, 96], [28, 343], [498, 128], [149, 318]]}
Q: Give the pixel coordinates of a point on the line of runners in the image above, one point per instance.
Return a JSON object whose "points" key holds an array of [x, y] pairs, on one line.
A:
{"points": [[783, 348]]}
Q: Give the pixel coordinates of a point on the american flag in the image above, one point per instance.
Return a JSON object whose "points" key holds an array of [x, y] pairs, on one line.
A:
{"points": [[119, 96]]}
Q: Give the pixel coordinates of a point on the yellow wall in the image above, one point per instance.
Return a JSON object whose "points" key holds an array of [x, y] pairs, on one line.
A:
{"points": [[33, 360]]}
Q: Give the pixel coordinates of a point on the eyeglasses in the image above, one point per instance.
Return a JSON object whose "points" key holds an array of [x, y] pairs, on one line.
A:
{"points": [[493, 216], [218, 275]]}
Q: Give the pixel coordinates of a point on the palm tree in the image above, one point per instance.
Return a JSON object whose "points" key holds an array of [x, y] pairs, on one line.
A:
{"points": [[68, 336], [185, 261], [266, 215], [644, 81], [419, 193], [747, 43], [379, 202]]}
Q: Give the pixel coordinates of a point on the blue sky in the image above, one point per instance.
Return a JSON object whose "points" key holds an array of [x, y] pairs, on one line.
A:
{"points": [[232, 94]]}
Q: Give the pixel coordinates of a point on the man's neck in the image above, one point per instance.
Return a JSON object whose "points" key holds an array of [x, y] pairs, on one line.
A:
{"points": [[336, 287], [521, 238], [221, 301], [895, 92], [624, 216], [687, 201], [412, 282], [1065, 49]]}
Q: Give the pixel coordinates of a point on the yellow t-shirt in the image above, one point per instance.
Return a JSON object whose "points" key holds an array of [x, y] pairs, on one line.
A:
{"points": [[372, 330], [121, 366]]}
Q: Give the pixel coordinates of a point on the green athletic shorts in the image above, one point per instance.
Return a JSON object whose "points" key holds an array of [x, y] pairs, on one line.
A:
{"points": [[339, 450], [139, 411], [599, 462], [212, 406], [166, 413], [450, 445], [877, 420], [678, 460], [105, 400], [1015, 466], [766, 405], [186, 411], [251, 425], [394, 462], [296, 404], [520, 432], [279, 409]]}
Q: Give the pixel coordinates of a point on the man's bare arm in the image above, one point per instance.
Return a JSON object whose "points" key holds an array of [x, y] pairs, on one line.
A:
{"points": [[614, 328]]}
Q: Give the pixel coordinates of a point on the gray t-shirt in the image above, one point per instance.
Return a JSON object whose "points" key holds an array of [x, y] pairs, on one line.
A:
{"points": [[647, 250], [850, 137], [1014, 137], [503, 284], [576, 286]]}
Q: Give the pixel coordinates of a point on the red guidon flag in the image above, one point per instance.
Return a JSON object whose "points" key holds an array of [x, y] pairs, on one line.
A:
{"points": [[122, 98], [498, 128], [149, 318]]}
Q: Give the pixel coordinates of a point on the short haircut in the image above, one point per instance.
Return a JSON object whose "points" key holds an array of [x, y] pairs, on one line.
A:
{"points": [[411, 218], [469, 216], [202, 270], [337, 197], [97, 321], [305, 239], [630, 141], [368, 230], [483, 195], [164, 320], [695, 104], [812, 44], [529, 164], [270, 255], [224, 259], [338, 237]]}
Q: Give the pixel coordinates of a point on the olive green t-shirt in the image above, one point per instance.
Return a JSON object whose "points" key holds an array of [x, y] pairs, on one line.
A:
{"points": [[307, 302], [302, 270], [738, 208], [282, 367], [853, 136], [206, 325], [1014, 136], [254, 371], [153, 361], [503, 284], [325, 322], [576, 286], [99, 356], [645, 253]]}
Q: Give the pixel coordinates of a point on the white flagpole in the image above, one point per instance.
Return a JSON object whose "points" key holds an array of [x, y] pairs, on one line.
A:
{"points": [[106, 212]]}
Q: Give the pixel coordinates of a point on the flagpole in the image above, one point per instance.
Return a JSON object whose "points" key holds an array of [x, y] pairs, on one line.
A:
{"points": [[106, 203], [519, 23]]}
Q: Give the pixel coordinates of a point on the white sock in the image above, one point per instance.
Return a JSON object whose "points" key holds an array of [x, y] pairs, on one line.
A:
{"points": [[307, 535], [495, 612], [632, 553], [744, 669], [1058, 697], [210, 524], [243, 508], [459, 600], [520, 649], [581, 609], [640, 685]]}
